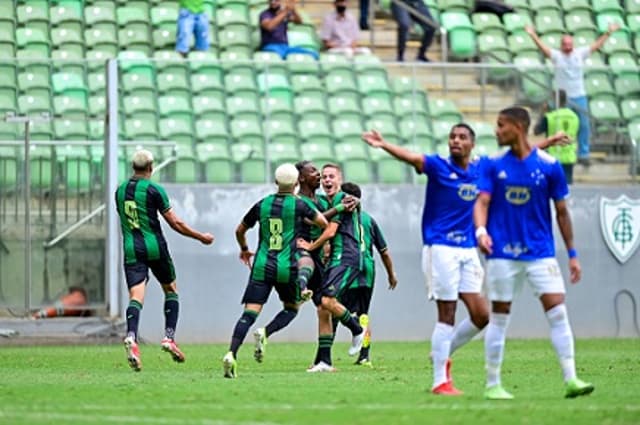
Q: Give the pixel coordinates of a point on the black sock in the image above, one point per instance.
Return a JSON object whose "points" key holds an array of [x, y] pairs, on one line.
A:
{"points": [[350, 322], [281, 320], [240, 331], [133, 317], [171, 310], [364, 353], [304, 273], [325, 342]]}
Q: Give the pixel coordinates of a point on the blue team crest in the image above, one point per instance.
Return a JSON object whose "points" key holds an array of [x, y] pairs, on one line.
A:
{"points": [[620, 224]]}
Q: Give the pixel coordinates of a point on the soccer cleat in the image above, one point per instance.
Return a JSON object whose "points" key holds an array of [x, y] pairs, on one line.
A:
{"points": [[306, 295], [170, 346], [356, 343], [229, 365], [364, 322], [133, 353], [446, 388], [260, 336], [496, 392], [364, 362], [321, 367], [576, 387]]}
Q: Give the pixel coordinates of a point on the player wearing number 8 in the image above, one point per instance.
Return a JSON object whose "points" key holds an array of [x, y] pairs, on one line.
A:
{"points": [[280, 216], [139, 201]]}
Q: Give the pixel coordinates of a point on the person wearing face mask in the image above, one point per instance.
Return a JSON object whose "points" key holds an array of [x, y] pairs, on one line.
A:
{"points": [[273, 29], [569, 63], [340, 31]]}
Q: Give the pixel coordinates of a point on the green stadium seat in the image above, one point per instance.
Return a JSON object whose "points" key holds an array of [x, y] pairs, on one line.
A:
{"points": [[38, 131], [623, 63], [343, 106], [521, 43], [300, 63], [242, 107], [331, 62], [492, 43], [604, 6], [172, 82], [315, 130], [391, 171], [36, 103], [618, 42], [487, 23], [247, 130], [240, 83], [606, 111], [164, 38], [444, 109], [594, 64], [75, 164], [534, 77], [96, 58], [35, 14], [459, 6], [7, 12], [177, 129], [280, 131], [604, 19], [347, 128], [634, 131], [414, 130], [630, 109], [441, 131], [43, 172], [135, 14], [358, 170], [96, 130], [226, 16], [310, 103], [549, 21], [374, 85], [9, 170], [70, 107], [185, 169], [69, 84], [97, 105], [70, 130], [101, 15], [252, 167], [575, 5], [212, 130], [485, 133], [96, 83], [598, 86], [169, 60], [369, 65], [135, 129], [405, 85], [204, 63], [101, 39], [33, 39], [579, 20], [515, 22], [277, 108], [318, 152], [279, 153], [67, 15], [270, 63], [413, 105], [9, 103], [627, 85], [164, 15], [275, 85], [174, 105], [208, 106], [33, 81], [303, 36], [217, 164], [462, 36], [377, 106], [235, 39], [306, 83], [206, 84], [520, 5]]}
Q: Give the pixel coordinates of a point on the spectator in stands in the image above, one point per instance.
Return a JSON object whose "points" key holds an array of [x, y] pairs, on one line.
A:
{"points": [[405, 17], [364, 15], [340, 31], [273, 28], [560, 119], [496, 7], [192, 21], [569, 63], [68, 305]]}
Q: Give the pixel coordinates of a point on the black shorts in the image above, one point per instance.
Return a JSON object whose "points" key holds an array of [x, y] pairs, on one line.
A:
{"points": [[337, 279], [258, 292], [357, 300], [138, 272], [316, 280]]}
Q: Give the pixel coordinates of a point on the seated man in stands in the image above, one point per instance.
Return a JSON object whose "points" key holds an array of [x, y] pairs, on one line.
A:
{"points": [[70, 304], [340, 31], [273, 28]]}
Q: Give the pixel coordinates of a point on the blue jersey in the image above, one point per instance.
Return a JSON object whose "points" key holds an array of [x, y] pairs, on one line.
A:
{"points": [[447, 217], [519, 220]]}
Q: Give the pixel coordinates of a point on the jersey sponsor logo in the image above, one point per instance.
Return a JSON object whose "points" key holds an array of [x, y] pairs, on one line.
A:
{"points": [[620, 225], [515, 250], [468, 192], [517, 195], [456, 236]]}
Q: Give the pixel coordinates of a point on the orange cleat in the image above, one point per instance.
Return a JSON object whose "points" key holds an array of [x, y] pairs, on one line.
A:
{"points": [[446, 388]]}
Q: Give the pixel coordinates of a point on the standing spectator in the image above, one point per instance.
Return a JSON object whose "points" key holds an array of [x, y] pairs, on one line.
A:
{"points": [[561, 119], [569, 64], [273, 29], [340, 31], [405, 19], [192, 21], [364, 15]]}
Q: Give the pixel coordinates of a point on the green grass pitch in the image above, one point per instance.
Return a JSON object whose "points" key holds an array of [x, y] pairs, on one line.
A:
{"points": [[94, 385]]}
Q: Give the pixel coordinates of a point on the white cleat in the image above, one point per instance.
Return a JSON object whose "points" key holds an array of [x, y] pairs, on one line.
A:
{"points": [[356, 344], [260, 336], [229, 366], [321, 367]]}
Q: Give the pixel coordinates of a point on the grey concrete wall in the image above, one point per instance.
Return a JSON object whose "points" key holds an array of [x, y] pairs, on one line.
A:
{"points": [[211, 279]]}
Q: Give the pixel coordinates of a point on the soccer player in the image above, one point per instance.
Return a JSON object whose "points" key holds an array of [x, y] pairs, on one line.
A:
{"points": [[449, 259], [138, 201], [280, 216], [343, 267], [512, 216], [357, 297], [310, 264]]}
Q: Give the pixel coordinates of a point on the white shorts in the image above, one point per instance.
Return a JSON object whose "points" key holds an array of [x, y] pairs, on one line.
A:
{"points": [[450, 270], [505, 277]]}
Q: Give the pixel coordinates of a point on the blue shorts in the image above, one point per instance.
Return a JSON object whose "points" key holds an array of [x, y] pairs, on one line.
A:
{"points": [[192, 24], [138, 272]]}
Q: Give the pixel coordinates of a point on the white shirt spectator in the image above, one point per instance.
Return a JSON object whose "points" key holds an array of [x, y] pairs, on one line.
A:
{"points": [[569, 70], [340, 34]]}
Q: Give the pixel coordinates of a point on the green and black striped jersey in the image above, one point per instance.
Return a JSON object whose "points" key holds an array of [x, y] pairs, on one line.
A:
{"points": [[372, 237], [281, 218], [311, 232], [347, 244], [138, 202]]}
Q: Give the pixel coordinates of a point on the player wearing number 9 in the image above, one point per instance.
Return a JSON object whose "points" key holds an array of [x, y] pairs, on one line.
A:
{"points": [[139, 201], [280, 217]]}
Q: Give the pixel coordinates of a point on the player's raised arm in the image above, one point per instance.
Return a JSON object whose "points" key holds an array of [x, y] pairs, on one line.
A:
{"points": [[546, 50], [563, 219], [480, 213], [375, 139], [184, 229]]}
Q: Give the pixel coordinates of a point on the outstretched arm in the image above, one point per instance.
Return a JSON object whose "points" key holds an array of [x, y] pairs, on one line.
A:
{"points": [[558, 139], [184, 229], [597, 45], [566, 230], [534, 36], [375, 139]]}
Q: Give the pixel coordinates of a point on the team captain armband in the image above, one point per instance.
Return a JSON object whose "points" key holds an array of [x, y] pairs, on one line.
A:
{"points": [[572, 253]]}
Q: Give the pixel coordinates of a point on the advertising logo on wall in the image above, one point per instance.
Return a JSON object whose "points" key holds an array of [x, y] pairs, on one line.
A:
{"points": [[620, 224]]}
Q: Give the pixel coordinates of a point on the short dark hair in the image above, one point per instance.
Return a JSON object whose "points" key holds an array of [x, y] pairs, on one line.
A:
{"points": [[468, 127], [301, 164], [352, 189], [518, 115]]}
